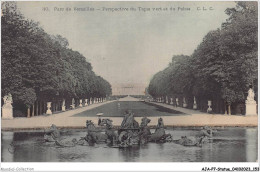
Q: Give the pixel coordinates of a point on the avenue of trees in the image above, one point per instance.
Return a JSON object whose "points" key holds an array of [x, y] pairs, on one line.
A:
{"points": [[38, 68], [222, 67]]}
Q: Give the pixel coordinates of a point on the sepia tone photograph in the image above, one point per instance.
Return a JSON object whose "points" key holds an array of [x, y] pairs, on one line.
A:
{"points": [[129, 81]]}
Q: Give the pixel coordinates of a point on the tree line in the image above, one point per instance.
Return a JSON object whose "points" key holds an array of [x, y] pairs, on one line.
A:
{"points": [[38, 68], [221, 69]]}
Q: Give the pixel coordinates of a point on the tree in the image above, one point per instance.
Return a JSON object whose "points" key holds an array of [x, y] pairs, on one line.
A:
{"points": [[38, 67], [221, 68]]}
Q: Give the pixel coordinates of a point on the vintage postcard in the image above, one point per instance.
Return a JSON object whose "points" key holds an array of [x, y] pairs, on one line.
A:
{"points": [[129, 81]]}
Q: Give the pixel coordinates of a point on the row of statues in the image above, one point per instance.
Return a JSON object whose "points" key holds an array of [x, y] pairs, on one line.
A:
{"points": [[251, 106], [129, 134]]}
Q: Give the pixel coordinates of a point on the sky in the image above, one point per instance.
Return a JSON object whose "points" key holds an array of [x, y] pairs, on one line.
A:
{"points": [[129, 47]]}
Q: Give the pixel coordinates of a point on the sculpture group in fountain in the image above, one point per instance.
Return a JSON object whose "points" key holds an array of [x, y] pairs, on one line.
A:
{"points": [[251, 103], [7, 108], [129, 134]]}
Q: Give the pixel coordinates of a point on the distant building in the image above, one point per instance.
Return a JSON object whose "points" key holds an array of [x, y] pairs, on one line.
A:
{"points": [[128, 89]]}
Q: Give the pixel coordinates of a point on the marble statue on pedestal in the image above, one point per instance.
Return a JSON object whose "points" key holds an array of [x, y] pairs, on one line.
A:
{"points": [[80, 103], [49, 112], [7, 108], [194, 103], [63, 107], [73, 104], [171, 101], [209, 108], [251, 103], [177, 102], [86, 102], [184, 103]]}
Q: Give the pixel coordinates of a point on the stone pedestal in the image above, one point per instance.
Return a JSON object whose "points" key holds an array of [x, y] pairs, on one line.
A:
{"points": [[7, 112], [7, 108], [251, 108], [49, 112], [80, 103], [63, 108], [171, 101], [209, 108], [195, 103], [86, 102]]}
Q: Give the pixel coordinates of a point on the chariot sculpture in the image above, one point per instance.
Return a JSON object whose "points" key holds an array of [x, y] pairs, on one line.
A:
{"points": [[129, 134]]}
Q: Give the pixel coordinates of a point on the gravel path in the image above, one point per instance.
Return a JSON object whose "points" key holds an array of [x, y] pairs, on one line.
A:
{"points": [[67, 120]]}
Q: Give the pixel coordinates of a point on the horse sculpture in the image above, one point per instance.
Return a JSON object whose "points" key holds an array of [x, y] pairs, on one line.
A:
{"points": [[52, 134], [94, 135], [159, 135], [144, 132], [128, 135], [110, 132]]}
